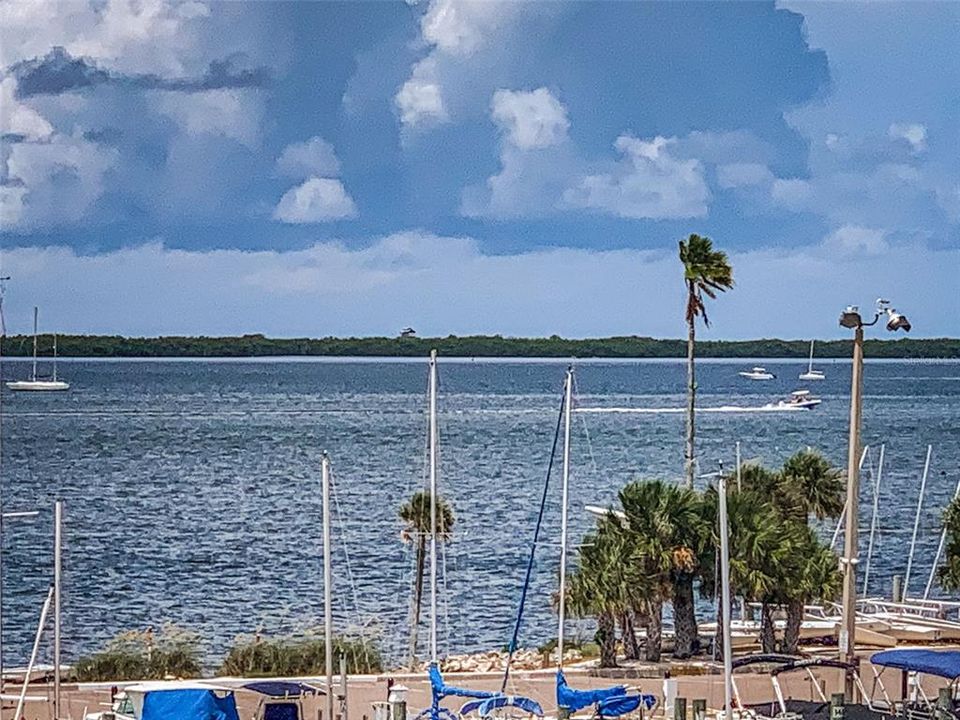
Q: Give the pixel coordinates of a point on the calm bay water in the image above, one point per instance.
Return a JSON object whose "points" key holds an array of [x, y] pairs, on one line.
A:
{"points": [[192, 487]]}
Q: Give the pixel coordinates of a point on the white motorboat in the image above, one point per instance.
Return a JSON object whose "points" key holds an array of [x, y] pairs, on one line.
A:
{"points": [[798, 400], [757, 373], [812, 374], [37, 384]]}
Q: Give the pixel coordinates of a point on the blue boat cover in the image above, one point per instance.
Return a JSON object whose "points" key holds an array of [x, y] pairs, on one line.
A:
{"points": [[623, 704], [441, 690], [945, 663], [192, 704], [574, 700], [517, 701], [282, 688]]}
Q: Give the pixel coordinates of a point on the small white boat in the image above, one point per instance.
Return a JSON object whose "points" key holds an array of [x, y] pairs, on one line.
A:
{"points": [[812, 374], [36, 384], [798, 400], [757, 373]]}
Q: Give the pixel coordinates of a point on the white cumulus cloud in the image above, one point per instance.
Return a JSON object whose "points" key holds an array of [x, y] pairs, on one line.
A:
{"points": [[649, 182], [420, 99], [313, 157], [914, 133], [315, 200], [452, 31], [856, 240], [531, 120], [17, 118]]}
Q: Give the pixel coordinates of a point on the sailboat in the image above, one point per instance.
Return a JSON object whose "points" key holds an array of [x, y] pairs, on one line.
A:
{"points": [[609, 702], [38, 384], [812, 374], [485, 703]]}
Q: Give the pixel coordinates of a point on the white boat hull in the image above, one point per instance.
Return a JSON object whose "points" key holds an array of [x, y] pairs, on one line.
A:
{"points": [[814, 375], [38, 385], [756, 376]]}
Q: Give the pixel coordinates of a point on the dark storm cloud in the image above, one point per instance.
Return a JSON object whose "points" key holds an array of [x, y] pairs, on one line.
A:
{"points": [[59, 72]]}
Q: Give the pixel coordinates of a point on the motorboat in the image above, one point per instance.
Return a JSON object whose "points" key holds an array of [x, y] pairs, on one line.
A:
{"points": [[810, 373], [38, 384], [757, 373], [797, 400]]}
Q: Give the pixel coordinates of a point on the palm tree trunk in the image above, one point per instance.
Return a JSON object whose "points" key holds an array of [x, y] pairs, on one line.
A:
{"points": [[654, 644], [768, 637], [791, 633], [631, 649], [691, 398], [607, 639], [684, 617], [417, 598]]}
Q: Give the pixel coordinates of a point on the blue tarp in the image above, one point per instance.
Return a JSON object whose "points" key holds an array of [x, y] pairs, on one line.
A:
{"points": [[623, 704], [575, 700], [193, 704], [441, 690], [501, 701], [945, 663]]}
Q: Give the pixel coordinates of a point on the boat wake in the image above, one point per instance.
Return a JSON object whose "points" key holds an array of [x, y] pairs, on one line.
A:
{"points": [[774, 407]]}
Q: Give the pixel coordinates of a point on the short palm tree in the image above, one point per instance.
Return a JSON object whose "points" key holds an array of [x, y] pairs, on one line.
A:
{"points": [[810, 486], [705, 272], [415, 514], [666, 522], [761, 546], [605, 584], [948, 573]]}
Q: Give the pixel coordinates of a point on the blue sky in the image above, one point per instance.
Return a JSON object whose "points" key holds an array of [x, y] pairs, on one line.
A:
{"points": [[518, 168]]}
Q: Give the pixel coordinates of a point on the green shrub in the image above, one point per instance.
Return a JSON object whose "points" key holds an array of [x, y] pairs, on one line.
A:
{"points": [[255, 656], [143, 655]]}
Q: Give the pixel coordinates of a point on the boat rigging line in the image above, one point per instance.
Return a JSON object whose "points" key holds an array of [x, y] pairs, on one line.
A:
{"points": [[533, 547]]}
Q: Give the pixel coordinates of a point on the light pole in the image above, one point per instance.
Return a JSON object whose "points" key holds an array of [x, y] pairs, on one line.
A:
{"points": [[851, 319]]}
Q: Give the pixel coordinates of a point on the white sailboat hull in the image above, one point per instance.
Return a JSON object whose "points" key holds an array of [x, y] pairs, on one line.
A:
{"points": [[813, 375], [38, 385], [756, 375]]}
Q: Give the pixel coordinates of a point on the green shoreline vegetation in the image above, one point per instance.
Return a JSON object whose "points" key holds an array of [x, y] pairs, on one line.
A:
{"points": [[631, 346]]}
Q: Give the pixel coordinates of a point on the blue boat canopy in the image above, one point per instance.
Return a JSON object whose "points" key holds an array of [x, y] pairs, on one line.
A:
{"points": [[441, 690], [574, 700], [189, 704], [282, 688], [944, 663]]}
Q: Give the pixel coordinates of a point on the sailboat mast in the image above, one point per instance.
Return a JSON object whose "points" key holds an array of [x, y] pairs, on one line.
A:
{"points": [[35, 313], [433, 506], [810, 365], [567, 408], [54, 357], [327, 580]]}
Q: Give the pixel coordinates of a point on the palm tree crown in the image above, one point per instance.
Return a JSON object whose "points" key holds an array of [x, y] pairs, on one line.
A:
{"points": [[706, 272], [415, 513]]}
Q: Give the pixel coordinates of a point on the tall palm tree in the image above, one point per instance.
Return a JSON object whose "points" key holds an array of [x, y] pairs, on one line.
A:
{"points": [[948, 574], [706, 272], [415, 514], [666, 522]]}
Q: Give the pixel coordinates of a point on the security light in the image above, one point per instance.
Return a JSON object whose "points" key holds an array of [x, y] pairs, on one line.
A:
{"points": [[850, 317], [896, 321]]}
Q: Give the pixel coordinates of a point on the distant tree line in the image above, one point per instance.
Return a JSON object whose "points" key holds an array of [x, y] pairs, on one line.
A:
{"points": [[630, 346]]}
